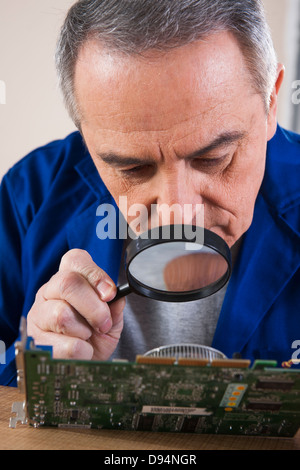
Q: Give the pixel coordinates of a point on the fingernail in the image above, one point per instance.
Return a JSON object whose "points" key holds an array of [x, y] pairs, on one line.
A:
{"points": [[105, 289]]}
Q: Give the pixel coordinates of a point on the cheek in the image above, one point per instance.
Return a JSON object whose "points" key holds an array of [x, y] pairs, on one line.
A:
{"points": [[247, 187], [232, 214], [113, 182], [252, 176], [133, 200], [248, 169]]}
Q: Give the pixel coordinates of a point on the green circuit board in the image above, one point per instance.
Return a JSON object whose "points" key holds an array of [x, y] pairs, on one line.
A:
{"points": [[154, 394]]}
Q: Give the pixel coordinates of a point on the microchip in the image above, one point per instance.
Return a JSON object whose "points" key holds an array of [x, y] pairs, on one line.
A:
{"points": [[190, 424], [74, 415], [145, 422], [275, 384], [263, 405]]}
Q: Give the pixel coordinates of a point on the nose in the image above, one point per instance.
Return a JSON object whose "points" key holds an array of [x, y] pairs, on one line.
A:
{"points": [[178, 200]]}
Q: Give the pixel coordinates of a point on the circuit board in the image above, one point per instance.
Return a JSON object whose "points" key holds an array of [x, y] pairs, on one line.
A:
{"points": [[161, 394]]}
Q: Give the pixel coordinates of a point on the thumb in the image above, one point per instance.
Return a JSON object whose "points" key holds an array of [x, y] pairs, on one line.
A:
{"points": [[80, 261]]}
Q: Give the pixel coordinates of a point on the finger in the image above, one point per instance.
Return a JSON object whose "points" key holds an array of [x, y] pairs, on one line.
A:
{"points": [[105, 344], [81, 262], [64, 347], [59, 317], [73, 288], [116, 310]]}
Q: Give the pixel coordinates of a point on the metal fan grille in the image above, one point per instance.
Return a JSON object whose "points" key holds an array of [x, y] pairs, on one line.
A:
{"points": [[186, 351]]}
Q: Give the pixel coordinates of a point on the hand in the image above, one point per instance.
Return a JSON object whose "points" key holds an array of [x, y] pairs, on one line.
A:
{"points": [[71, 314]]}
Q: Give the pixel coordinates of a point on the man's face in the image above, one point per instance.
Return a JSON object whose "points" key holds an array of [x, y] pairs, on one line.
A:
{"points": [[181, 127]]}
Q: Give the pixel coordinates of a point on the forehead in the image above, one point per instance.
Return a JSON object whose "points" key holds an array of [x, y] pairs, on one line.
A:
{"points": [[199, 82]]}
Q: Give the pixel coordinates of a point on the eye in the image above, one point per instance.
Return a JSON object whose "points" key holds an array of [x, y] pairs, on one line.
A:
{"points": [[210, 163], [139, 171], [133, 170]]}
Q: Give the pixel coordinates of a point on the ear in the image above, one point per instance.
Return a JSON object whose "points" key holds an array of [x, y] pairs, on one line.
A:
{"points": [[272, 115]]}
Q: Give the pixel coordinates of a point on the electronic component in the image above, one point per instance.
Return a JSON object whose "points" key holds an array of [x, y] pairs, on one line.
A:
{"points": [[168, 394]]}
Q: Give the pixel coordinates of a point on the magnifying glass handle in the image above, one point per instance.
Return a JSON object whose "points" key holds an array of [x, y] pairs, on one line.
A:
{"points": [[121, 292]]}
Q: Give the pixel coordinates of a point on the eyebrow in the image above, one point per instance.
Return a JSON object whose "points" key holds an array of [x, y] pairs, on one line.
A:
{"points": [[116, 160], [225, 139]]}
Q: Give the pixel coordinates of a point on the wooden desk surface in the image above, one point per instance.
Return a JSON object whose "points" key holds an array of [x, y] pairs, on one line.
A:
{"points": [[26, 437]]}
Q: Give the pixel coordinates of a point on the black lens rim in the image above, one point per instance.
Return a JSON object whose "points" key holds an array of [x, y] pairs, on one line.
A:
{"points": [[155, 237]]}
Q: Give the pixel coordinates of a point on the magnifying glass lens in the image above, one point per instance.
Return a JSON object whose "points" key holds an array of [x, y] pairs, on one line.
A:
{"points": [[176, 270], [177, 267]]}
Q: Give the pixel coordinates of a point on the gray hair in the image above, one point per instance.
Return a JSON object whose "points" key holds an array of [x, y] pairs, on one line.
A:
{"points": [[135, 26]]}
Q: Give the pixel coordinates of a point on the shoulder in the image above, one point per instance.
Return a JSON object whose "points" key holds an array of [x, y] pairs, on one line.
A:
{"points": [[281, 187], [30, 181], [47, 160]]}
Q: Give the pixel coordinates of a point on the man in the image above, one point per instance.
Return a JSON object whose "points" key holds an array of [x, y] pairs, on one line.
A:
{"points": [[176, 104]]}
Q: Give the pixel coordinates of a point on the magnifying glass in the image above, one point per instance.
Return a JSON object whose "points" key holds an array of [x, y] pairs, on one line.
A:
{"points": [[176, 263]]}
